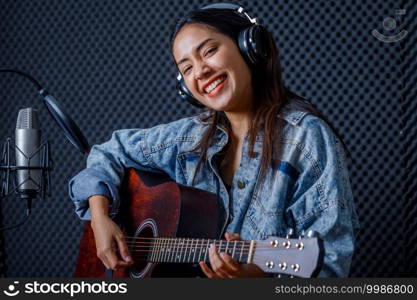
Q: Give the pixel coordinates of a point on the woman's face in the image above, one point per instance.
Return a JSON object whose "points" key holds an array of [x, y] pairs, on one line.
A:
{"points": [[213, 68]]}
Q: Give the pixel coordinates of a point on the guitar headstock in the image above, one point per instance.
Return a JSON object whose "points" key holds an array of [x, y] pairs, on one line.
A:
{"points": [[299, 257]]}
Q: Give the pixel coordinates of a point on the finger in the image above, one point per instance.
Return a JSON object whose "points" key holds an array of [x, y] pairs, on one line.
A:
{"points": [[123, 250], [120, 263], [231, 264], [232, 236], [216, 262], [209, 273], [102, 255], [105, 262], [111, 258]]}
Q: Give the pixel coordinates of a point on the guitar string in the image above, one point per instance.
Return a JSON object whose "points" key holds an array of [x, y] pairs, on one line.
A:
{"points": [[222, 249], [145, 253], [187, 240], [230, 247], [183, 250], [144, 256], [199, 239], [202, 242], [240, 249], [169, 257]]}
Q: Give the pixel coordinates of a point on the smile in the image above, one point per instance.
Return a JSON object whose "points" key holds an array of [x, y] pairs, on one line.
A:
{"points": [[215, 86]]}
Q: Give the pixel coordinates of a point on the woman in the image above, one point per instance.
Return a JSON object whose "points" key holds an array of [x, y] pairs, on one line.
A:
{"points": [[275, 161]]}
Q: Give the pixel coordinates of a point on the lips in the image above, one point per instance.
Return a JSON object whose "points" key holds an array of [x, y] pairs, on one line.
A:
{"points": [[206, 85]]}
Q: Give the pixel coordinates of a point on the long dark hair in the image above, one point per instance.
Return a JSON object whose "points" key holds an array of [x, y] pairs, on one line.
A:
{"points": [[269, 93]]}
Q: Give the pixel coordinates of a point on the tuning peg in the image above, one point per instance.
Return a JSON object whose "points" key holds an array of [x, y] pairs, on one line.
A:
{"points": [[290, 233], [312, 234], [302, 234]]}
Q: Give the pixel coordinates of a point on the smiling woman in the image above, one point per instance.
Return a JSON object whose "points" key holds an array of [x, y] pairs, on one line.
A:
{"points": [[212, 69], [274, 161]]}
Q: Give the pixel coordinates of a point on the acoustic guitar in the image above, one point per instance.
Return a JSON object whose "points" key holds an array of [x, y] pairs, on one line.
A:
{"points": [[169, 227]]}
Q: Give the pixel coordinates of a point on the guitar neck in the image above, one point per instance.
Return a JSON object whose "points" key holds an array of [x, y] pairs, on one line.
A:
{"points": [[187, 250], [292, 256]]}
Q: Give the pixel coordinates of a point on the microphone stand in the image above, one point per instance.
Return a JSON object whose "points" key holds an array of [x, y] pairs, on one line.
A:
{"points": [[7, 169], [72, 133]]}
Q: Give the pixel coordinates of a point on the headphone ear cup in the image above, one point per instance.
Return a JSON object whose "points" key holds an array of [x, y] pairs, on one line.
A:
{"points": [[186, 95], [244, 47], [258, 36], [251, 42]]}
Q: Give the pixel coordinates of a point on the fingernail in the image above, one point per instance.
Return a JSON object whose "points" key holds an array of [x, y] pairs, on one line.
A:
{"points": [[128, 258]]}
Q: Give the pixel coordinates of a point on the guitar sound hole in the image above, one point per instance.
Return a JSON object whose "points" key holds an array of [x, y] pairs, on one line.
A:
{"points": [[140, 249]]}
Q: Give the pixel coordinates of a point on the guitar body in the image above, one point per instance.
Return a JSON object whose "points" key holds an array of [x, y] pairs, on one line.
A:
{"points": [[155, 206]]}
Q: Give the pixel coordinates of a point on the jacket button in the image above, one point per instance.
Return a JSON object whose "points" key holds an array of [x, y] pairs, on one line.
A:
{"points": [[241, 184]]}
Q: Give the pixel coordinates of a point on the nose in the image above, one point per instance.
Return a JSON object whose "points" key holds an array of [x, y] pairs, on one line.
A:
{"points": [[201, 70]]}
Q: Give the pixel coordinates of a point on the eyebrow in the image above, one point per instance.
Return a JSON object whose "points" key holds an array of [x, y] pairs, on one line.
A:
{"points": [[201, 45]]}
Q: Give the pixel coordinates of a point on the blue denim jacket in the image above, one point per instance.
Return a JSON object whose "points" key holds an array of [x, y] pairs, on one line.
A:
{"points": [[310, 190]]}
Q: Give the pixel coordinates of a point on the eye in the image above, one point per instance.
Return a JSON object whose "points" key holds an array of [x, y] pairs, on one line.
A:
{"points": [[210, 51], [186, 70]]}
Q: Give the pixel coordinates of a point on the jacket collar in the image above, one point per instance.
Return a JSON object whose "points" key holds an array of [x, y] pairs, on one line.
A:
{"points": [[289, 114]]}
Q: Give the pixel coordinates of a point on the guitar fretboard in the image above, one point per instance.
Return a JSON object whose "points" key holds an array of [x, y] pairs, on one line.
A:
{"points": [[186, 250]]}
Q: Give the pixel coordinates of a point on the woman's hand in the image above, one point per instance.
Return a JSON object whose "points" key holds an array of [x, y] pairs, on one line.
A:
{"points": [[224, 266], [107, 235]]}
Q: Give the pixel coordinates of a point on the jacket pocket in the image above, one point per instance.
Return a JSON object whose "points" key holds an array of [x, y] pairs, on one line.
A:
{"points": [[187, 162], [266, 219], [269, 201]]}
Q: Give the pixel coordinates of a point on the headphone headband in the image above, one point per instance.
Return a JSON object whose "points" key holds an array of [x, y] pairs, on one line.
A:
{"points": [[237, 8]]}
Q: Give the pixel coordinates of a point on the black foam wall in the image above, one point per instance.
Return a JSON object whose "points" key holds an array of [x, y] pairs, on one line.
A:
{"points": [[108, 62]]}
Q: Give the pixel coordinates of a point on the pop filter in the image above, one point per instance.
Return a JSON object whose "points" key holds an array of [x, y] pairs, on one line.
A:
{"points": [[58, 113]]}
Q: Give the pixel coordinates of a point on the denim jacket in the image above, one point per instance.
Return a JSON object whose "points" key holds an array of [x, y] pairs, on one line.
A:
{"points": [[310, 190]]}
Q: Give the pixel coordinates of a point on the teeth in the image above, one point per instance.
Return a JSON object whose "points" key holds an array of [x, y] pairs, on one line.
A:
{"points": [[214, 84]]}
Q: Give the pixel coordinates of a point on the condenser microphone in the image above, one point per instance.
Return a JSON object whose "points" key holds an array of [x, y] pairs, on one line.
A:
{"points": [[28, 158]]}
